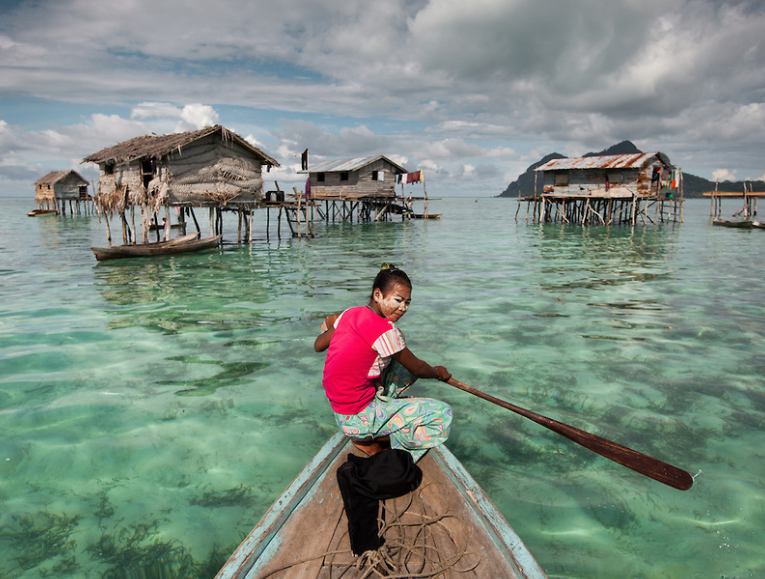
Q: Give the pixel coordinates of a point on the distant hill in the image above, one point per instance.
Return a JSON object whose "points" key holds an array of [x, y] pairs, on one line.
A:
{"points": [[623, 148], [693, 186], [525, 183]]}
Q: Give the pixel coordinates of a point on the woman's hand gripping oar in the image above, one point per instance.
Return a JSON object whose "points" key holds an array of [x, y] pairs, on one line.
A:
{"points": [[650, 467]]}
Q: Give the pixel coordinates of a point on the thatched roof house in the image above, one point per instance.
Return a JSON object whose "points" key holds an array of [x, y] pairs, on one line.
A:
{"points": [[357, 177], [60, 185], [208, 167], [609, 175]]}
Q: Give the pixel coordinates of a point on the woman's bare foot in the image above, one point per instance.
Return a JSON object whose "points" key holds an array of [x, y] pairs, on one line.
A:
{"points": [[369, 448], [372, 447]]}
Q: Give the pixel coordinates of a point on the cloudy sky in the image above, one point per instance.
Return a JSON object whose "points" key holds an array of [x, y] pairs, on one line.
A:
{"points": [[471, 92]]}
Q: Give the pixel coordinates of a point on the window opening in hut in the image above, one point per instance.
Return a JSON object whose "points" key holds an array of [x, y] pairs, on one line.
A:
{"points": [[344, 176], [561, 179], [320, 177], [109, 169], [148, 167]]}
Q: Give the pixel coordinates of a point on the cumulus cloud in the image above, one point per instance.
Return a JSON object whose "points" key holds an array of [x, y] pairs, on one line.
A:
{"points": [[197, 116], [153, 110], [723, 175], [479, 84], [357, 141]]}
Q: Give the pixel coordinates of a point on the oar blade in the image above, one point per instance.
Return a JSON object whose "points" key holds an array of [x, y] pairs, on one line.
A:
{"points": [[646, 465]]}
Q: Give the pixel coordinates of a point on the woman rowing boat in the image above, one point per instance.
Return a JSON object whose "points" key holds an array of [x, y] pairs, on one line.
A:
{"points": [[369, 366]]}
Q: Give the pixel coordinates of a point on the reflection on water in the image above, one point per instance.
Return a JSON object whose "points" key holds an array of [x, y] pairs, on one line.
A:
{"points": [[152, 410]]}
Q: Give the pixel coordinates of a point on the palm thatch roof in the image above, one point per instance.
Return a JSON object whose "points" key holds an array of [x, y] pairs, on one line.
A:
{"points": [[157, 146], [55, 176]]}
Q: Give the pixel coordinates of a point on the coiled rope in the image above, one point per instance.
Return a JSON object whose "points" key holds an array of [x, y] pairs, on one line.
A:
{"points": [[410, 549]]}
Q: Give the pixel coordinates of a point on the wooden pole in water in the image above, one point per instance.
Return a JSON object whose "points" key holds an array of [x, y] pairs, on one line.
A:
{"points": [[517, 209], [144, 222], [108, 229], [194, 217], [297, 213]]}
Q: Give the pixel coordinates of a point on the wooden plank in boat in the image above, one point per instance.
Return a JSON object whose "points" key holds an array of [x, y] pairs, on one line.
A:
{"points": [[306, 531]]}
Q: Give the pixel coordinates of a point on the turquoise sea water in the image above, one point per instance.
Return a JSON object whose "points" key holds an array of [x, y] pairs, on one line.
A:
{"points": [[151, 410]]}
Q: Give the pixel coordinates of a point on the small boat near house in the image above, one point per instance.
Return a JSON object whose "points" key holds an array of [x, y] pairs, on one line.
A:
{"points": [[42, 212], [741, 224], [183, 244], [447, 527]]}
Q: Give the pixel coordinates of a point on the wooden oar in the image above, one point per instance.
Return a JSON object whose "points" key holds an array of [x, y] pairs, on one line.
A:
{"points": [[644, 464]]}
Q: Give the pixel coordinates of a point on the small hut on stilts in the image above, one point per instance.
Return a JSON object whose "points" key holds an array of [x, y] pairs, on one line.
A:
{"points": [[610, 189], [211, 168], [58, 188], [361, 188]]}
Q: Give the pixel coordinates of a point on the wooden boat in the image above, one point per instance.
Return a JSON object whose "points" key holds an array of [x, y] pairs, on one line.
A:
{"points": [[182, 244], [758, 224], [744, 224], [426, 216], [39, 212], [304, 535]]}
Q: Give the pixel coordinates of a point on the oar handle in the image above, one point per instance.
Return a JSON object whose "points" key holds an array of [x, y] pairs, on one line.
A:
{"points": [[637, 461]]}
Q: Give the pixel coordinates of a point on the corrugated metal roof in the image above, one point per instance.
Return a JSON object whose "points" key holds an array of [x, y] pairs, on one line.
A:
{"points": [[631, 161], [342, 165]]}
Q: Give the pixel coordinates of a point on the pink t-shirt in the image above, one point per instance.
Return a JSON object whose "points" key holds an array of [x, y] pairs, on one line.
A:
{"points": [[361, 348]]}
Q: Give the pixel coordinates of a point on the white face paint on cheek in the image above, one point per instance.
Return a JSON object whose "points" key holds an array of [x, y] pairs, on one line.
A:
{"points": [[389, 305]]}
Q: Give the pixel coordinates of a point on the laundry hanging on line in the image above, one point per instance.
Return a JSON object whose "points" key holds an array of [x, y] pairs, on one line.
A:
{"points": [[416, 177]]}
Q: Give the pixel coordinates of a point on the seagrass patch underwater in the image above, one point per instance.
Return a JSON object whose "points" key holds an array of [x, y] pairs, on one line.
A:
{"points": [[152, 410]]}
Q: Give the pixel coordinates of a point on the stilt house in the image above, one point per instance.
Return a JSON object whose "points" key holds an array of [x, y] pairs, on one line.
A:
{"points": [[59, 186], [354, 178], [610, 176], [608, 189], [211, 167], [204, 168]]}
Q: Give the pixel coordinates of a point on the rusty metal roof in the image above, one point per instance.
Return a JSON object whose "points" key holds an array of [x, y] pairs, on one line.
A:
{"points": [[630, 161], [342, 165]]}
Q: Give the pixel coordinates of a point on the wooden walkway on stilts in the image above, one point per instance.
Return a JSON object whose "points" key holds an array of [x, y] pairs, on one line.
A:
{"points": [[300, 215], [749, 208]]}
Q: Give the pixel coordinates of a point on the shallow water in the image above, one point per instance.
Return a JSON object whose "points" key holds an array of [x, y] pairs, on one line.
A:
{"points": [[151, 410]]}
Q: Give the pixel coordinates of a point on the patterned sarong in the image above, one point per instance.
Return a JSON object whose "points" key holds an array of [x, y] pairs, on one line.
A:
{"points": [[413, 424]]}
